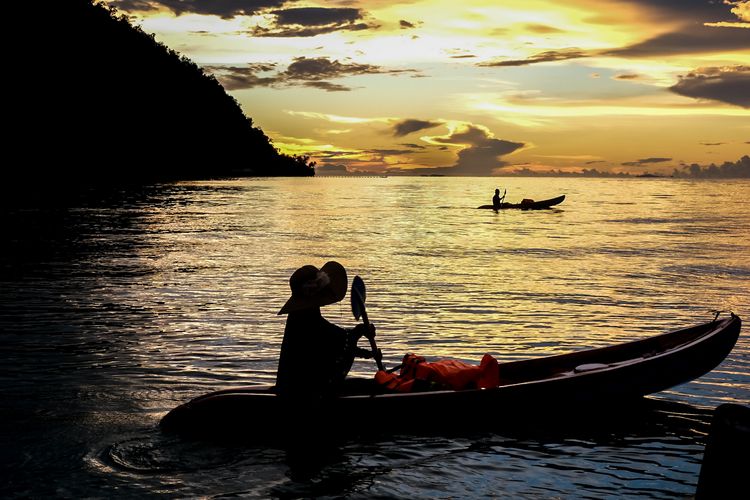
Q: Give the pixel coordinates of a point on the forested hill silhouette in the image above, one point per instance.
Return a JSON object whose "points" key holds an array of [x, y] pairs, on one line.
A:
{"points": [[96, 99]]}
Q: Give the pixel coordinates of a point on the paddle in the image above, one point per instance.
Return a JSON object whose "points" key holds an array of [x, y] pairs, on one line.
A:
{"points": [[359, 293]]}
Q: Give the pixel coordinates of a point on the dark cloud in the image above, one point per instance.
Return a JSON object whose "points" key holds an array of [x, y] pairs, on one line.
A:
{"points": [[316, 16], [458, 53], [524, 171], [406, 24], [312, 21], [320, 68], [243, 77], [542, 29], [727, 170], [594, 161], [408, 126], [226, 9], [712, 143], [627, 76], [547, 56], [482, 159], [481, 156], [692, 37], [645, 161], [389, 152], [314, 71], [350, 166], [340, 162], [330, 154], [358, 162], [327, 86], [332, 169], [301, 32], [412, 145], [688, 11], [692, 40], [728, 84], [303, 71]]}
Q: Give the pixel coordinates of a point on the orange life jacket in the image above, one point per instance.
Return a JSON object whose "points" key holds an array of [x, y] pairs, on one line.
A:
{"points": [[443, 374]]}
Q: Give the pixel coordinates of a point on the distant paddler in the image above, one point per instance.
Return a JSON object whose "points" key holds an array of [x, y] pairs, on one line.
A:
{"points": [[497, 200]]}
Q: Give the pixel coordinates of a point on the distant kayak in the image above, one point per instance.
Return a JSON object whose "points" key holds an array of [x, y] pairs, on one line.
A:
{"points": [[534, 205]]}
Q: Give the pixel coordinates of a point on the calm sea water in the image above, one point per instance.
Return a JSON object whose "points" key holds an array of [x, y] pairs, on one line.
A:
{"points": [[115, 307]]}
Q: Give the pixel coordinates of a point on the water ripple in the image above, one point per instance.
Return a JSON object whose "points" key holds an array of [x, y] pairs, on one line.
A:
{"points": [[116, 308]]}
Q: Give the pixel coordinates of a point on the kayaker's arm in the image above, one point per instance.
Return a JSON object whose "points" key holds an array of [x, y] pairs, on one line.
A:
{"points": [[358, 332]]}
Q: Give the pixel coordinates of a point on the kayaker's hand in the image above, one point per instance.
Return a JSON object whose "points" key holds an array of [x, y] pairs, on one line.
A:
{"points": [[362, 330], [370, 334]]}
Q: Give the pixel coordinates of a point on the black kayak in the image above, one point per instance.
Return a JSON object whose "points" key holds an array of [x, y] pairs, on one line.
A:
{"points": [[536, 205], [553, 386]]}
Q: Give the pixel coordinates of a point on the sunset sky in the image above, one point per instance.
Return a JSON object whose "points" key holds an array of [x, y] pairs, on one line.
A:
{"points": [[477, 87]]}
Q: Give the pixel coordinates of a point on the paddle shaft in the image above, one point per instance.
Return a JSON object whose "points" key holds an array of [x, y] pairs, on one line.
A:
{"points": [[366, 321]]}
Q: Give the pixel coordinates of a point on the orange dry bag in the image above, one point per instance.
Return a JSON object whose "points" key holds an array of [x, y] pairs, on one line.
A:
{"points": [[443, 374]]}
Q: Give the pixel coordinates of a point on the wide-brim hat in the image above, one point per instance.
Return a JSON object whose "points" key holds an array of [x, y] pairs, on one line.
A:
{"points": [[313, 287]]}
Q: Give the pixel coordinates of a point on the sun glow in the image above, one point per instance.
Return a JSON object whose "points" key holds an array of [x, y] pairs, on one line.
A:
{"points": [[521, 71]]}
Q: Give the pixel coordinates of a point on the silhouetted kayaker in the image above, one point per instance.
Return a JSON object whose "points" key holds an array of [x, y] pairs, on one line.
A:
{"points": [[497, 201], [316, 355]]}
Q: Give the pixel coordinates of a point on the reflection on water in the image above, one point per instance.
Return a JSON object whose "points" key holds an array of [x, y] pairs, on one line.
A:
{"points": [[650, 451], [115, 307]]}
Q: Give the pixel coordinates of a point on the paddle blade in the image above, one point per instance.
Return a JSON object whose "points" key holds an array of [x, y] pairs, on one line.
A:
{"points": [[358, 296]]}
